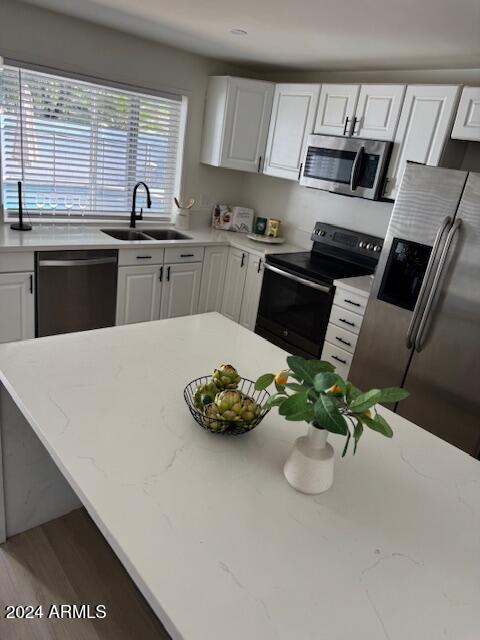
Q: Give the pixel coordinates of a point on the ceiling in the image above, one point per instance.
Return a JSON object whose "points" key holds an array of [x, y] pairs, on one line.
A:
{"points": [[301, 34]]}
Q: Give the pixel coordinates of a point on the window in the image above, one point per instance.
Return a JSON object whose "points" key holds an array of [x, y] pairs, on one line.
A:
{"points": [[79, 148]]}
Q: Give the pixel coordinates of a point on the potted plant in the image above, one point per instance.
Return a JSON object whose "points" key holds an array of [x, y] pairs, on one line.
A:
{"points": [[310, 391]]}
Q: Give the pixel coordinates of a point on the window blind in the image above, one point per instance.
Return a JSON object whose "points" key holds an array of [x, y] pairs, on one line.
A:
{"points": [[79, 148]]}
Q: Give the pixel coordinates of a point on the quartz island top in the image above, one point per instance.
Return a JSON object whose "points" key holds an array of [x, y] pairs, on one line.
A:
{"points": [[217, 541]]}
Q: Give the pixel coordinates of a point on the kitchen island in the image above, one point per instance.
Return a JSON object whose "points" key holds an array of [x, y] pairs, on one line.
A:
{"points": [[217, 541]]}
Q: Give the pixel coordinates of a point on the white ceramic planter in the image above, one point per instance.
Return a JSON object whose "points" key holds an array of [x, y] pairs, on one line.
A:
{"points": [[309, 467]]}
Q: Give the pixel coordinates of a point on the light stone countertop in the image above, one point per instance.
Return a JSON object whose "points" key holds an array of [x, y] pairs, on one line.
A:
{"points": [[53, 237], [218, 542], [358, 284]]}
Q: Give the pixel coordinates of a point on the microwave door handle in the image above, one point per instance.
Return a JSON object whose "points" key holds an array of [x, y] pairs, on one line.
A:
{"points": [[419, 340], [428, 272], [356, 168], [304, 281]]}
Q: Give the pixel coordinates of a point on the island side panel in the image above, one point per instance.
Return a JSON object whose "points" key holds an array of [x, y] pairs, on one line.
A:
{"points": [[34, 490]]}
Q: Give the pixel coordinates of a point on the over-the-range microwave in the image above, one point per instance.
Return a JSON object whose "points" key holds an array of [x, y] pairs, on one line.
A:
{"points": [[352, 166]]}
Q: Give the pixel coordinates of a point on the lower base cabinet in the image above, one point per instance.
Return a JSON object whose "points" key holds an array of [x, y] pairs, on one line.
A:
{"points": [[251, 292], [243, 282], [181, 289], [17, 306], [139, 293], [213, 279]]}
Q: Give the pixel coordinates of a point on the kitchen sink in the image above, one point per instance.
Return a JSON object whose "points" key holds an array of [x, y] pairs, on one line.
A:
{"points": [[125, 234], [165, 234]]}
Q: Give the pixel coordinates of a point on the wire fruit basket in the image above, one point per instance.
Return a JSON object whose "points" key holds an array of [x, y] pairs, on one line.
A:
{"points": [[228, 428]]}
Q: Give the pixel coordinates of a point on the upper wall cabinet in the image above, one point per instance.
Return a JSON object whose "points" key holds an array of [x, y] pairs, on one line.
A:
{"points": [[424, 127], [237, 115], [293, 114], [367, 111], [467, 122], [336, 109]]}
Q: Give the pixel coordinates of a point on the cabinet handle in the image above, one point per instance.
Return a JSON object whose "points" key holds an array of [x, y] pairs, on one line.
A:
{"points": [[259, 164], [351, 324], [243, 261], [168, 274], [144, 257], [31, 283], [347, 120], [300, 171], [161, 274], [187, 255], [339, 359], [349, 344], [259, 265], [355, 120], [355, 304]]}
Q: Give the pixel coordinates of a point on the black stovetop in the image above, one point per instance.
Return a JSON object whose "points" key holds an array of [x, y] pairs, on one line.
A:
{"points": [[318, 267]]}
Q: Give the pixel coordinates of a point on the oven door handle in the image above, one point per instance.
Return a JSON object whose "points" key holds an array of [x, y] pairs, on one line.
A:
{"points": [[304, 281], [356, 168]]}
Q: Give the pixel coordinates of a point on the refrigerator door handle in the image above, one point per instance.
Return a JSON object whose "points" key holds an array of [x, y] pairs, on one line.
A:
{"points": [[419, 340], [410, 340]]}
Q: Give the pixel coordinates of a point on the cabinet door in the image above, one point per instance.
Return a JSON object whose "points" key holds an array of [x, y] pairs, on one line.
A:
{"points": [[424, 127], [213, 279], [292, 119], [467, 121], [138, 294], [378, 111], [249, 105], [17, 308], [234, 284], [336, 109], [251, 292], [181, 288]]}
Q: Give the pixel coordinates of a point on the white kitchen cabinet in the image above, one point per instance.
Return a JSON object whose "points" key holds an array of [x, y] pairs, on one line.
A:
{"points": [[251, 292], [17, 307], [237, 115], [234, 284], [423, 129], [181, 289], [213, 279], [378, 111], [467, 121], [336, 109], [293, 114], [139, 293]]}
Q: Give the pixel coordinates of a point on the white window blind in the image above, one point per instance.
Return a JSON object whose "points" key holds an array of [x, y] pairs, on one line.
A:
{"points": [[79, 148]]}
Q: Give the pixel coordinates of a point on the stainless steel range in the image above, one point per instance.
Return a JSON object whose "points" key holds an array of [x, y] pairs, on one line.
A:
{"points": [[297, 290]]}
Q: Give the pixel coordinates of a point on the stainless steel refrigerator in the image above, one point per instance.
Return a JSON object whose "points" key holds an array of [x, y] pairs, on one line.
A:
{"points": [[421, 328]]}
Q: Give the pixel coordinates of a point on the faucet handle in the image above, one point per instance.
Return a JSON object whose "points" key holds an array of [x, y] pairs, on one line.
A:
{"points": [[140, 215]]}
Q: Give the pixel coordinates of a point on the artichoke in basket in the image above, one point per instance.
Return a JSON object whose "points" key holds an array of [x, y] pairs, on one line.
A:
{"points": [[235, 406], [204, 394], [226, 377], [210, 411]]}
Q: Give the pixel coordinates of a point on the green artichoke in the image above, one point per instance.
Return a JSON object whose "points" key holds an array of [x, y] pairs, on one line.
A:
{"points": [[204, 394], [235, 406], [210, 411], [226, 377]]}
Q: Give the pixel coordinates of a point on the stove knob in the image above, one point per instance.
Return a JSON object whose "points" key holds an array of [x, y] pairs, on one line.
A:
{"points": [[322, 232], [285, 332], [362, 244], [369, 246], [377, 248]]}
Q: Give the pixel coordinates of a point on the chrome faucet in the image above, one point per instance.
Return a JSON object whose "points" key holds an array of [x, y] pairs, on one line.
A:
{"points": [[133, 215]]}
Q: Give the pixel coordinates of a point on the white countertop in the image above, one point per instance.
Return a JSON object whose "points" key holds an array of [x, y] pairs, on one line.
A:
{"points": [[50, 236], [358, 284], [221, 546]]}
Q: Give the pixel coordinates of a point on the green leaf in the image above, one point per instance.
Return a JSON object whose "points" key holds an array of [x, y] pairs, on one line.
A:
{"points": [[345, 448], [295, 386], [393, 394], [352, 391], [324, 381], [279, 387], [307, 416], [294, 406], [357, 434], [275, 400], [319, 366], [328, 415], [301, 368], [379, 424], [365, 400], [264, 381]]}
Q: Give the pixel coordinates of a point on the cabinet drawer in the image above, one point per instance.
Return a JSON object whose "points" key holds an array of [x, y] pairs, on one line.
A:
{"points": [[184, 254], [341, 338], [144, 255], [351, 301], [340, 358], [17, 261], [346, 319]]}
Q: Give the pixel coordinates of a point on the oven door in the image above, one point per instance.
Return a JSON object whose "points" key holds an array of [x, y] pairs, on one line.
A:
{"points": [[293, 311], [344, 165]]}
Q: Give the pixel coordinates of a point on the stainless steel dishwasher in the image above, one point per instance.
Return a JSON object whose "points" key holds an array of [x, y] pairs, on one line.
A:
{"points": [[76, 290]]}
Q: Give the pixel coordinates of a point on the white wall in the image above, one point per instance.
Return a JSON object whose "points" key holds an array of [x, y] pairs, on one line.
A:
{"points": [[38, 36]]}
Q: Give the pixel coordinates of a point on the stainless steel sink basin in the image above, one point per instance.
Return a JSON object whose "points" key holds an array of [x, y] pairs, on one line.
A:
{"points": [[125, 234], [165, 234]]}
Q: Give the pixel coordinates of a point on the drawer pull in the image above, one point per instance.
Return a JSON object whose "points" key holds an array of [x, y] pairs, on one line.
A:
{"points": [[168, 274], [349, 344], [351, 324], [355, 304], [187, 255], [144, 257], [339, 359]]}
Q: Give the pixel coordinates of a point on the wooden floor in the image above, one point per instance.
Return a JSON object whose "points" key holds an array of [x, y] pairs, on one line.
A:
{"points": [[67, 561]]}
